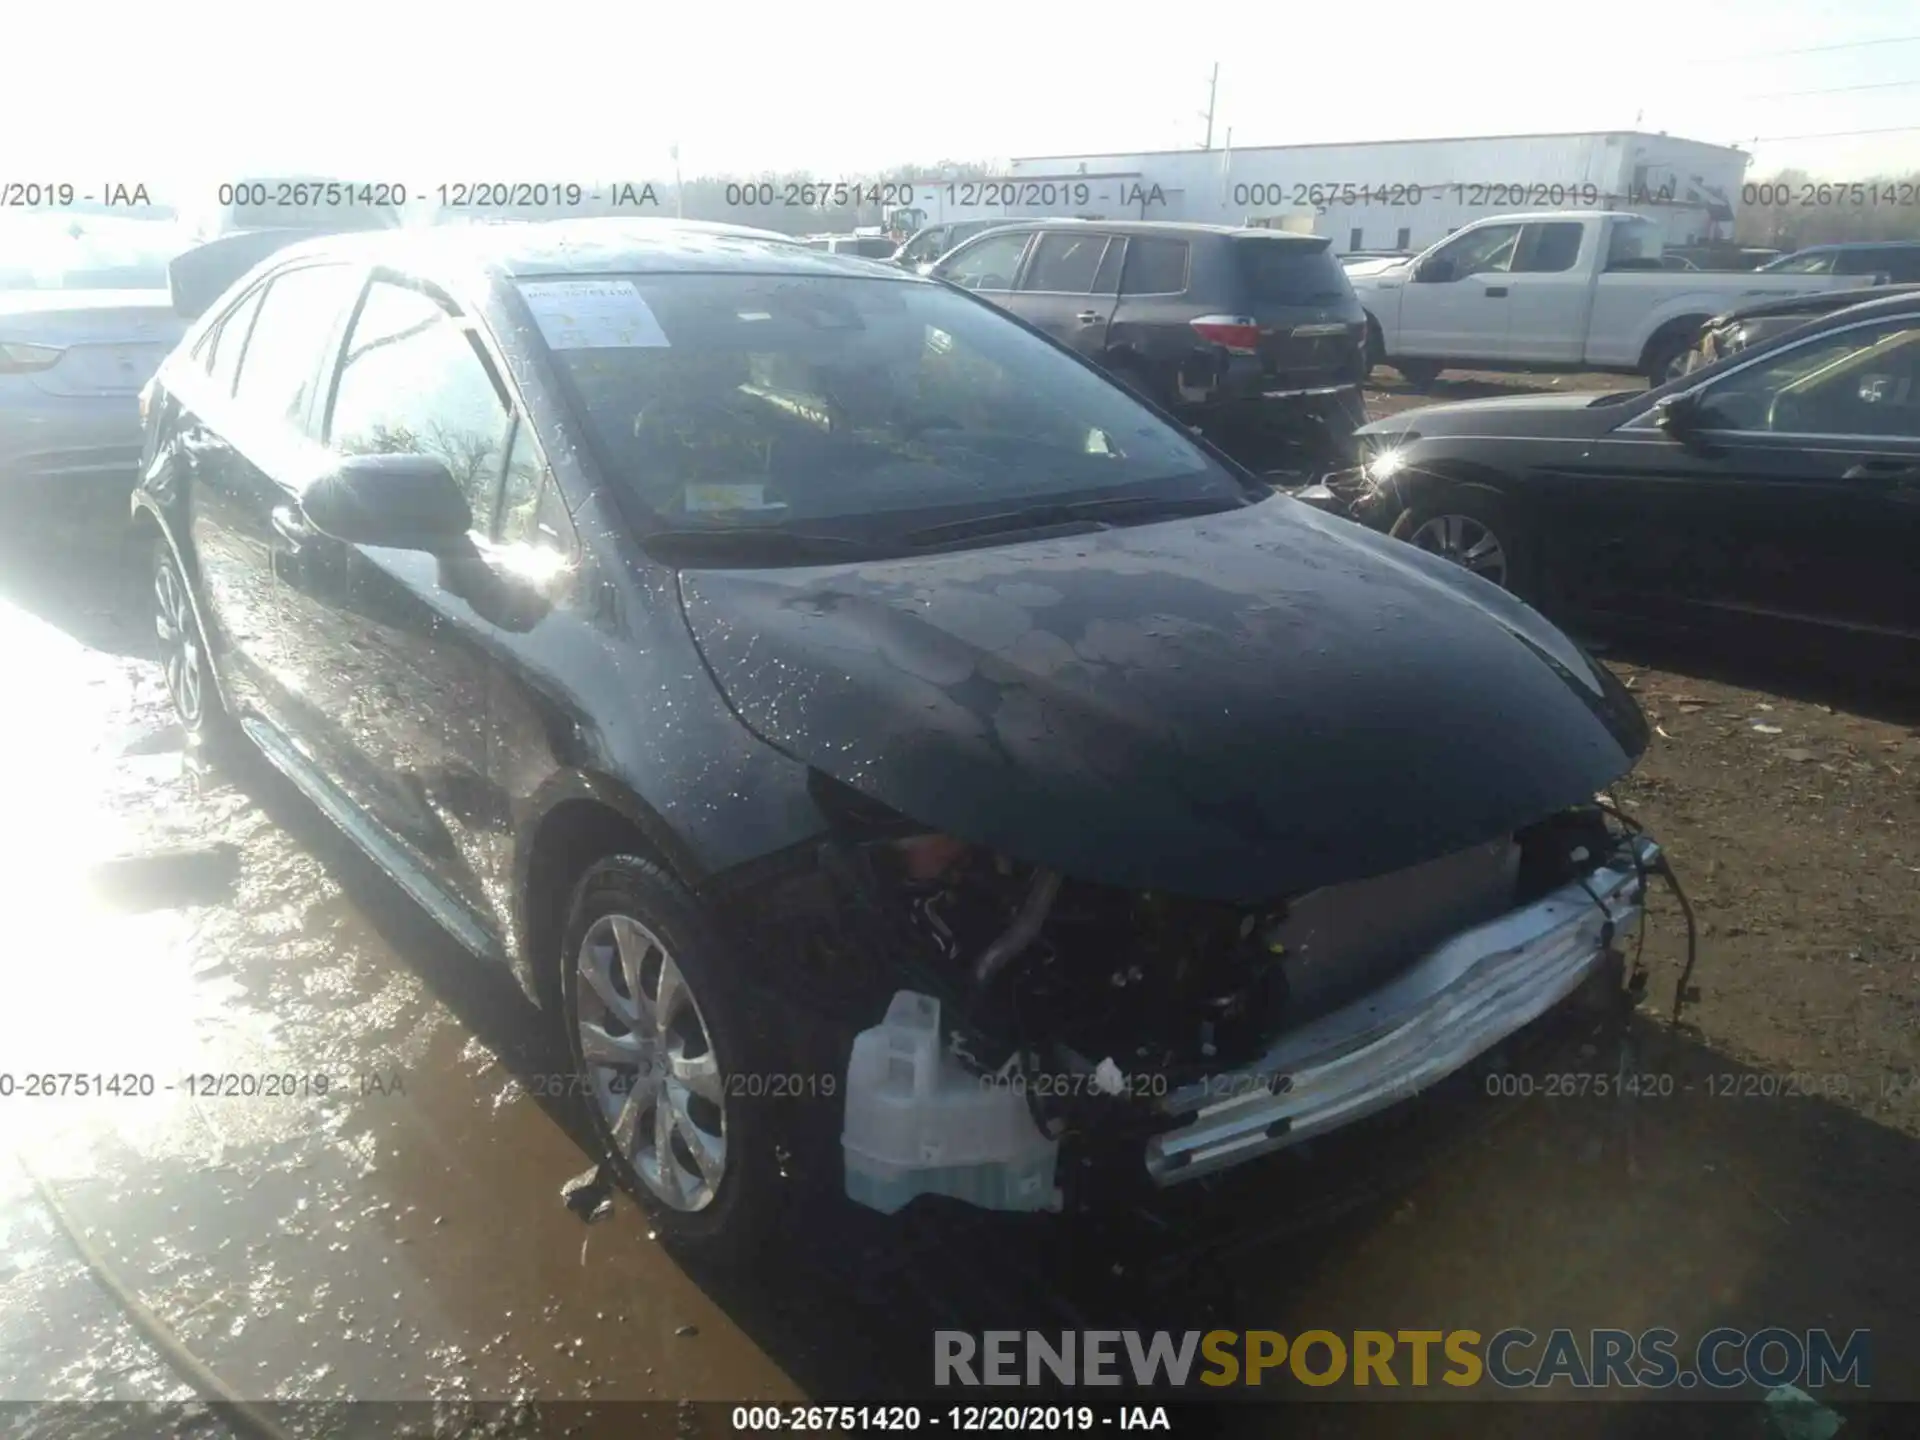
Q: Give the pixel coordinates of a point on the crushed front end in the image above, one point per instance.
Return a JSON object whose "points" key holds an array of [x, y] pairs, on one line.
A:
{"points": [[1041, 1032]]}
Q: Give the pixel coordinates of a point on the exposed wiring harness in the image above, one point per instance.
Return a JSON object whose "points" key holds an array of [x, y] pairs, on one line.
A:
{"points": [[1684, 990]]}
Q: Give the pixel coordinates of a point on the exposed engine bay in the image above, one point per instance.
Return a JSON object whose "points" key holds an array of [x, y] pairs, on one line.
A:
{"points": [[1091, 1004]]}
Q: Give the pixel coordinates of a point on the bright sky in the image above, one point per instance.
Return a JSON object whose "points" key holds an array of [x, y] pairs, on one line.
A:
{"points": [[590, 89]]}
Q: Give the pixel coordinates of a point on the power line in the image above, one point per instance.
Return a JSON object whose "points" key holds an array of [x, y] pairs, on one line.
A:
{"points": [[1833, 90], [1821, 49], [1836, 134]]}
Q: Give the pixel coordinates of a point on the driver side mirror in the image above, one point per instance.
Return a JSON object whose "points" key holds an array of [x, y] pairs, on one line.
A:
{"points": [[1435, 271], [1679, 415], [403, 502]]}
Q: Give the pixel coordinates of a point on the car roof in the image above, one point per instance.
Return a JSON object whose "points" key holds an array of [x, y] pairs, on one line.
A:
{"points": [[1823, 301], [1907, 303], [592, 247], [1174, 228]]}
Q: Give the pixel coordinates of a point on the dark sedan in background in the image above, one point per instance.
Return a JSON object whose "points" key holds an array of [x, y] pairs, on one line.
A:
{"points": [[764, 652], [1781, 484], [1895, 261]]}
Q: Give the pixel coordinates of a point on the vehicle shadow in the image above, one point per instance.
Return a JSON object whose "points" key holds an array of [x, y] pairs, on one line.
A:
{"points": [[1870, 678], [77, 572]]}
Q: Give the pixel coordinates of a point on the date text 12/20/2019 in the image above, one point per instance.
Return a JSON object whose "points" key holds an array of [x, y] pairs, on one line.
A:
{"points": [[959, 1419], [201, 1085]]}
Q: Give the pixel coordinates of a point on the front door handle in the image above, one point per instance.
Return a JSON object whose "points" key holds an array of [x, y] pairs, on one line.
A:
{"points": [[1883, 470], [1088, 317], [1496, 292]]}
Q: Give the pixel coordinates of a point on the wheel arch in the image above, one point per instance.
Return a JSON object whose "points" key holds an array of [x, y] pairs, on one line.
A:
{"points": [[1420, 482], [1687, 326], [578, 819]]}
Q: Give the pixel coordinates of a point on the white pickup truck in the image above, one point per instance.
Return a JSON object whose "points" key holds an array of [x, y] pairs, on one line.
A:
{"points": [[1557, 290]]}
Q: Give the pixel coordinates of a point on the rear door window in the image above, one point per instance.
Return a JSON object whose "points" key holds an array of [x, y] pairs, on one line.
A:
{"points": [[1548, 248], [1900, 263], [1290, 272], [1065, 263], [1155, 266], [289, 338]]}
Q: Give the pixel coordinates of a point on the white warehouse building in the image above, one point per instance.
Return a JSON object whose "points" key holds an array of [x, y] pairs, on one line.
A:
{"points": [[1377, 195]]}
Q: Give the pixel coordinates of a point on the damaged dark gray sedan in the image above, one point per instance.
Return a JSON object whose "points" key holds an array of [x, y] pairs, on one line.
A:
{"points": [[871, 731]]}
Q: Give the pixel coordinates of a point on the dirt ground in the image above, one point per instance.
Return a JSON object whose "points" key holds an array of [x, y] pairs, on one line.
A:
{"points": [[1793, 816], [410, 1243]]}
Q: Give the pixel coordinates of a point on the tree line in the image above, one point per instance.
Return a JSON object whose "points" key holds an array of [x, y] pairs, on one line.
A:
{"points": [[1795, 208]]}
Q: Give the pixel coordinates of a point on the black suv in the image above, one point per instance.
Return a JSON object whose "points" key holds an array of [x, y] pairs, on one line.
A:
{"points": [[1255, 336]]}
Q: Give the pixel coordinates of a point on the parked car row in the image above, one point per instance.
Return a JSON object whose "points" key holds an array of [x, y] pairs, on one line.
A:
{"points": [[790, 666]]}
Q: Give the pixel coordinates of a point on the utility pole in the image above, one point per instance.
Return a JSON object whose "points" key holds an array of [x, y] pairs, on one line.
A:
{"points": [[1213, 90], [679, 190]]}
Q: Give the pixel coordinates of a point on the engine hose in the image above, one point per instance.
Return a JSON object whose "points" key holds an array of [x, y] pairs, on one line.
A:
{"points": [[242, 1414]]}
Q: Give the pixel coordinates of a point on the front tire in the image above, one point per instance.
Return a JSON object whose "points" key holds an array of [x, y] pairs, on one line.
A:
{"points": [[659, 1030], [1473, 527]]}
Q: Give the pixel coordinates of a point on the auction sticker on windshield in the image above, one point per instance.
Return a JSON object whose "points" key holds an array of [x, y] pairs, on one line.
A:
{"points": [[592, 315]]}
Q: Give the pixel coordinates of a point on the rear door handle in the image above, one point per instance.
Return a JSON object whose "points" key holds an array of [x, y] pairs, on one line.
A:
{"points": [[1088, 317], [1496, 292]]}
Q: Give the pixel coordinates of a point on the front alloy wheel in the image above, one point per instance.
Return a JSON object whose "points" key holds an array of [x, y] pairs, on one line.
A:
{"points": [[1468, 542], [673, 1052], [651, 1064]]}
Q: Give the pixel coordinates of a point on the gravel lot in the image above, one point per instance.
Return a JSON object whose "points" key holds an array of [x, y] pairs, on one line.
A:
{"points": [[1793, 816]]}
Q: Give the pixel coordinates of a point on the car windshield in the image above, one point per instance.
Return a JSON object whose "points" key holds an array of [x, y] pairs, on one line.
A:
{"points": [[768, 401], [1291, 272], [64, 252]]}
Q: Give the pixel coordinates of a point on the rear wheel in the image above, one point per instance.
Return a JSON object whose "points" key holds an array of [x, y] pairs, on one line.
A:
{"points": [[183, 655], [1132, 374], [1666, 358], [1418, 373], [677, 1076]]}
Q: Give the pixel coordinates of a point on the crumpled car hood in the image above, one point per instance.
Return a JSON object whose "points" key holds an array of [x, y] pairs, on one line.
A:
{"points": [[1235, 707]]}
